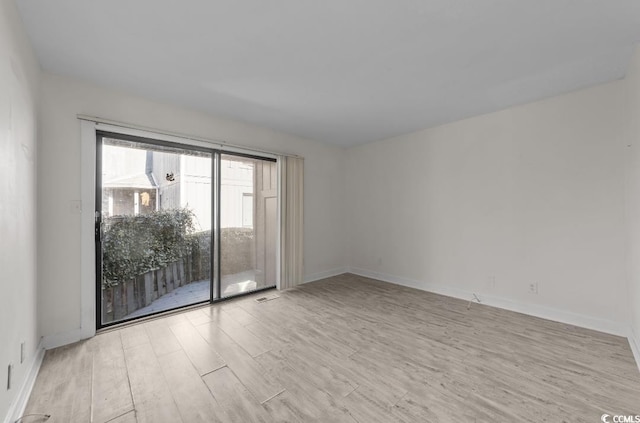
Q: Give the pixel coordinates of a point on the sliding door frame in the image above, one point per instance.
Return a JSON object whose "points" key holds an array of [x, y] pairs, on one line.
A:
{"points": [[215, 284]]}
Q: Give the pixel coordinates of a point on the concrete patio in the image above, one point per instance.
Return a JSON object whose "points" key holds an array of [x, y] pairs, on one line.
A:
{"points": [[198, 291]]}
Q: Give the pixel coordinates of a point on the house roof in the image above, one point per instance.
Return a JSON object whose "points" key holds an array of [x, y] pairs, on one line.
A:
{"points": [[140, 180]]}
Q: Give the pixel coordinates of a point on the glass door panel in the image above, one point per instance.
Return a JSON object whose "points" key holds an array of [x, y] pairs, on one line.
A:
{"points": [[154, 227], [248, 224]]}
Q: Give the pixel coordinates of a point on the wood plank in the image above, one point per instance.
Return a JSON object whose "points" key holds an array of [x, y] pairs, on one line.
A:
{"points": [[320, 375], [274, 338], [284, 407], [364, 405], [303, 399], [198, 316], [240, 315], [236, 400], [129, 417], [151, 394], [63, 387], [250, 373], [194, 401], [111, 396], [133, 336], [360, 372], [247, 340], [202, 355], [162, 339]]}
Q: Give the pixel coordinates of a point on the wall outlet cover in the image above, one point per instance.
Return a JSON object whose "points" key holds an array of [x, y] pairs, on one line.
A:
{"points": [[9, 371]]}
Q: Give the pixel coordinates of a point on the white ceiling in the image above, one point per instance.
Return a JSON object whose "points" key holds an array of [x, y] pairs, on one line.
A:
{"points": [[339, 71]]}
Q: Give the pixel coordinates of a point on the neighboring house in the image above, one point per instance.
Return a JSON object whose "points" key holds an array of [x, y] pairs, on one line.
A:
{"points": [[128, 188], [137, 181]]}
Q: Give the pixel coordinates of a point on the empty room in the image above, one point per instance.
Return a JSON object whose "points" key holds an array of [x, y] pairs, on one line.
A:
{"points": [[319, 211]]}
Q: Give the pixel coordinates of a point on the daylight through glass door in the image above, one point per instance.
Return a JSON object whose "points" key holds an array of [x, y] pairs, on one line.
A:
{"points": [[179, 225], [154, 228], [248, 224]]}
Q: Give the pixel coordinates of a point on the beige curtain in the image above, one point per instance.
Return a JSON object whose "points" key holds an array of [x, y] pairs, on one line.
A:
{"points": [[291, 221]]}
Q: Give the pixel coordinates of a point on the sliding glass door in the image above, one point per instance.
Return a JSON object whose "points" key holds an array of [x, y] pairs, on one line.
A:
{"points": [[248, 224], [178, 225]]}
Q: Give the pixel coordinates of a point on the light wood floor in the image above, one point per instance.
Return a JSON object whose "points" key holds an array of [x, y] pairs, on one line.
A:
{"points": [[345, 349]]}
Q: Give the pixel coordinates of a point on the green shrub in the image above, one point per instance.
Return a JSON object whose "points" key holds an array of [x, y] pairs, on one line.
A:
{"points": [[237, 250], [134, 245], [200, 262]]}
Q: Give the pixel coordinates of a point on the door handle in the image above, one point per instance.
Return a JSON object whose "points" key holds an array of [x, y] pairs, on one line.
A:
{"points": [[99, 226]]}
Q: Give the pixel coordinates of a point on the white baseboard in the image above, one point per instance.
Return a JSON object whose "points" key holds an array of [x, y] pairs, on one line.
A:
{"points": [[60, 339], [634, 343], [536, 310], [18, 405], [589, 322], [325, 274]]}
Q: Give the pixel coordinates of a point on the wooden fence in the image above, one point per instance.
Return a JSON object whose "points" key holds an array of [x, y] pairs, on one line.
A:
{"points": [[125, 298]]}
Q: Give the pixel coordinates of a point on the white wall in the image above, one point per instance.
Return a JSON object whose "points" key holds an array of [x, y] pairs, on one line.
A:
{"points": [[19, 72], [59, 185], [633, 198], [533, 193]]}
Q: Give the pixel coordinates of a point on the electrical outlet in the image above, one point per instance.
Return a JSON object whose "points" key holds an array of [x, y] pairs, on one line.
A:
{"points": [[22, 352], [9, 371], [533, 288]]}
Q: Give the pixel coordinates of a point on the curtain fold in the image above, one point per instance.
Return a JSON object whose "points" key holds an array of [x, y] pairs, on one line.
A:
{"points": [[291, 221]]}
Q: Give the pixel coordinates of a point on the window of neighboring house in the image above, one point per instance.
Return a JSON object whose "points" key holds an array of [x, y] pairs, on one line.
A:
{"points": [[247, 210], [136, 203], [110, 207]]}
